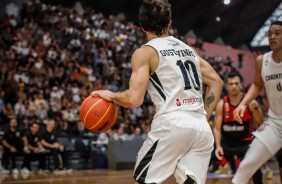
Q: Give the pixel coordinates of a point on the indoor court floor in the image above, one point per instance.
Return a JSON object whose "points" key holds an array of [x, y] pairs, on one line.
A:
{"points": [[105, 176]]}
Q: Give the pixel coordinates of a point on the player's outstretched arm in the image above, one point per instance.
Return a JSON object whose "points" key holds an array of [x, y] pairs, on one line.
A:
{"points": [[252, 93], [217, 124]]}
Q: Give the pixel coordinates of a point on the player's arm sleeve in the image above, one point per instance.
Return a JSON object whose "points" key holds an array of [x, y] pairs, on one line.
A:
{"points": [[257, 85], [138, 83]]}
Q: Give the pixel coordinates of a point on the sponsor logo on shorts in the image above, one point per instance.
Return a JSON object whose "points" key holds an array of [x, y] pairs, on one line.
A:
{"points": [[188, 101]]}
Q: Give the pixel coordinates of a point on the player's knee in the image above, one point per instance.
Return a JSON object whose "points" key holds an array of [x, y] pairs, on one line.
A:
{"points": [[189, 180]]}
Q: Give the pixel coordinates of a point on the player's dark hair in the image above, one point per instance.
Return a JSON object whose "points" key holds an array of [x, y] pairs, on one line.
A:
{"points": [[277, 22], [155, 16], [234, 74]]}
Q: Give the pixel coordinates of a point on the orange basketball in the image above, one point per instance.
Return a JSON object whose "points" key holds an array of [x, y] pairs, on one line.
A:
{"points": [[98, 114]]}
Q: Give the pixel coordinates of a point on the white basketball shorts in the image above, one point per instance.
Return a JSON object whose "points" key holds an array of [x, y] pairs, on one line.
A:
{"points": [[179, 143], [270, 133]]}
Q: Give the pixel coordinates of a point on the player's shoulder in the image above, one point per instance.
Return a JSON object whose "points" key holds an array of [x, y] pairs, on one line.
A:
{"points": [[260, 57], [145, 52], [259, 60], [145, 49]]}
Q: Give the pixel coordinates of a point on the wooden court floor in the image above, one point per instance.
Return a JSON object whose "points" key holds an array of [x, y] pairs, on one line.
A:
{"points": [[99, 177]]}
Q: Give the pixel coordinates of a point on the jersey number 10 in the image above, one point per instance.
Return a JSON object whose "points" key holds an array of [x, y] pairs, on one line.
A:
{"points": [[186, 72]]}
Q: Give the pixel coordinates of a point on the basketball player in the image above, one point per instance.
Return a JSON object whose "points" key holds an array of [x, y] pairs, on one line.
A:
{"points": [[268, 139], [180, 141], [232, 138]]}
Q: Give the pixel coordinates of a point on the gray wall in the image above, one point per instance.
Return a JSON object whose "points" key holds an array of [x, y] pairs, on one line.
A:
{"points": [[122, 154]]}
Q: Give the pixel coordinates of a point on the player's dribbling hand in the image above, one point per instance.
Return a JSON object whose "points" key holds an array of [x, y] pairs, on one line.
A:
{"points": [[219, 153], [238, 113], [105, 94]]}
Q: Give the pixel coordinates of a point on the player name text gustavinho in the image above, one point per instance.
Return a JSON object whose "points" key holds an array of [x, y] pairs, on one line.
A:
{"points": [[180, 53]]}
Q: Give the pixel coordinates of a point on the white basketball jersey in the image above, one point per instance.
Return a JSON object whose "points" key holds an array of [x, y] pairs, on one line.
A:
{"points": [[272, 75], [176, 85]]}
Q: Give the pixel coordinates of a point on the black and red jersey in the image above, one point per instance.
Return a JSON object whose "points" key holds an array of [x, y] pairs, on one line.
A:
{"points": [[233, 130]]}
